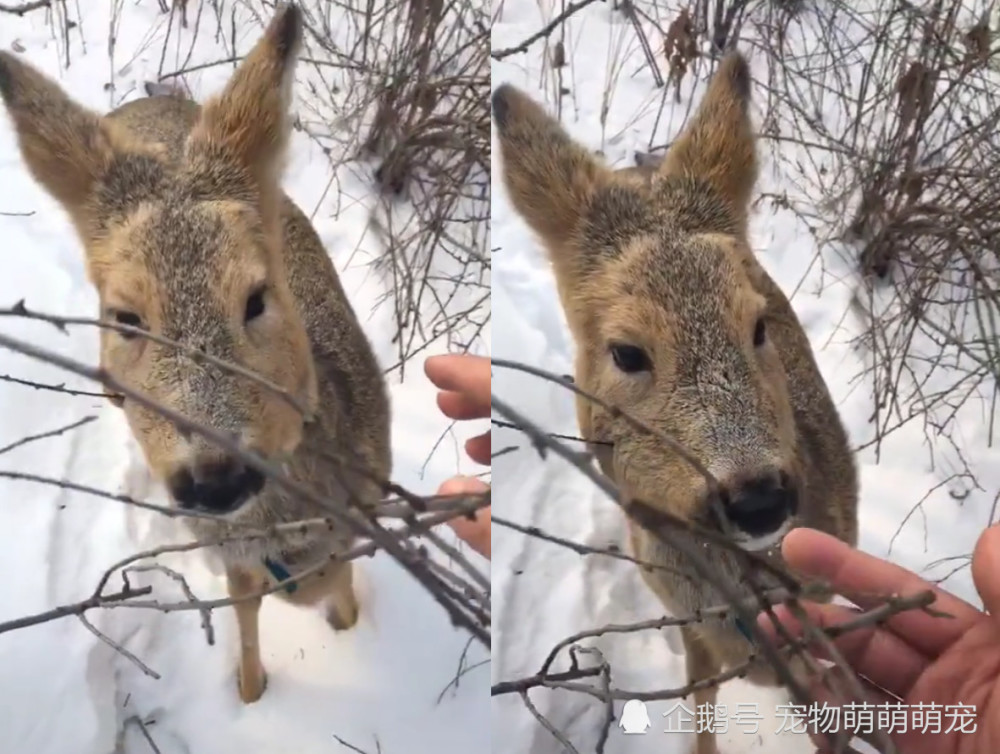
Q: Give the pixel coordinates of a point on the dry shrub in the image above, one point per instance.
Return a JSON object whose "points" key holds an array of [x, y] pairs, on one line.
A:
{"points": [[417, 107], [894, 107]]}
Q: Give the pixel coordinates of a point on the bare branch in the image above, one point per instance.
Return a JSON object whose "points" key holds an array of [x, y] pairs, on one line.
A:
{"points": [[77, 608], [20, 10], [544, 32], [350, 517], [53, 388]]}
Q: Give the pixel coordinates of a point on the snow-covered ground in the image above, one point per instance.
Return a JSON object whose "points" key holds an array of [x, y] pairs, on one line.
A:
{"points": [[543, 592], [381, 687]]}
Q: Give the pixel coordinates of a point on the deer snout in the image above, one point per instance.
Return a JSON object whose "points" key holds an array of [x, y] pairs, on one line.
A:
{"points": [[219, 485], [761, 506]]}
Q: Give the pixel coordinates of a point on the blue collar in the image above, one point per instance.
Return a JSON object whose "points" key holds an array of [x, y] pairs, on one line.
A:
{"points": [[744, 629], [281, 574]]}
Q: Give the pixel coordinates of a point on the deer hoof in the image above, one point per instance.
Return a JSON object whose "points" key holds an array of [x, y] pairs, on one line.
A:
{"points": [[251, 686]]}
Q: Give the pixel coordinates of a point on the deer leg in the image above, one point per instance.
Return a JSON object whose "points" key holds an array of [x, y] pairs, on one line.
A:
{"points": [[333, 586], [342, 607], [701, 665], [251, 675]]}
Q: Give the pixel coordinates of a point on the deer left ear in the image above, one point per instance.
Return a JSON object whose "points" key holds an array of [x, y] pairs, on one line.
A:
{"points": [[719, 145]]}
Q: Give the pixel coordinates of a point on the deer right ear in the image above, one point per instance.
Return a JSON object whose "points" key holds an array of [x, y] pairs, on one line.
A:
{"points": [[66, 147], [249, 122], [550, 178]]}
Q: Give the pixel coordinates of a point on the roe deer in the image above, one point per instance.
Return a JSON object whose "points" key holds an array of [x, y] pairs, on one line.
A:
{"points": [[188, 234], [677, 323]]}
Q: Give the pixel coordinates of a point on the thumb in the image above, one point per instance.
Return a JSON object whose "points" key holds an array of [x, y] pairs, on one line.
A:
{"points": [[476, 533], [986, 570]]}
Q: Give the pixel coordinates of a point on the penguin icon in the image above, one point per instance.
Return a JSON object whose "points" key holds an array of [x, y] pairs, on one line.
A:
{"points": [[635, 718]]}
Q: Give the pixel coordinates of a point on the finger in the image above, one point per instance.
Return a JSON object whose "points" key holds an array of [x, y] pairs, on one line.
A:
{"points": [[480, 448], [461, 407], [867, 580], [462, 373], [879, 655], [476, 533], [462, 485], [986, 570]]}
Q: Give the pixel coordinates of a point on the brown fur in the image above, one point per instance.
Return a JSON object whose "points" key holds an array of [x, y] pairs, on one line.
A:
{"points": [[182, 218], [658, 258]]}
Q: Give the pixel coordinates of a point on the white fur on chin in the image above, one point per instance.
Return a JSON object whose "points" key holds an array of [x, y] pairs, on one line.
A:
{"points": [[766, 542]]}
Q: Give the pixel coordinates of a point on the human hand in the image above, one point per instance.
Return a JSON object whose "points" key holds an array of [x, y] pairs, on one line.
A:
{"points": [[465, 394], [919, 657], [464, 381]]}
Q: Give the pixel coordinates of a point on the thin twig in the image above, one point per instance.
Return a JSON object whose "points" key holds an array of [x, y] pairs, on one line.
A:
{"points": [[195, 354], [44, 435], [544, 32], [556, 733], [138, 721], [118, 647], [53, 388], [206, 615]]}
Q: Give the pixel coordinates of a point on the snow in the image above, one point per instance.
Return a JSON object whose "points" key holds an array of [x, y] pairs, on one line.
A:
{"points": [[542, 592], [384, 685]]}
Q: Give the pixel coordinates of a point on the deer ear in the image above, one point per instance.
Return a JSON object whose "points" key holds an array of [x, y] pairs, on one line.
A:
{"points": [[66, 147], [550, 178], [719, 146], [249, 124]]}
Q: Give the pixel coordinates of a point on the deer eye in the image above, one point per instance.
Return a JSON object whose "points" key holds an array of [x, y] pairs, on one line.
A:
{"points": [[129, 319], [255, 305], [759, 334], [630, 359]]}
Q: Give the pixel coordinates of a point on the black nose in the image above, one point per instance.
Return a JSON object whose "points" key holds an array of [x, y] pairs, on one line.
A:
{"points": [[216, 487], [761, 505]]}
